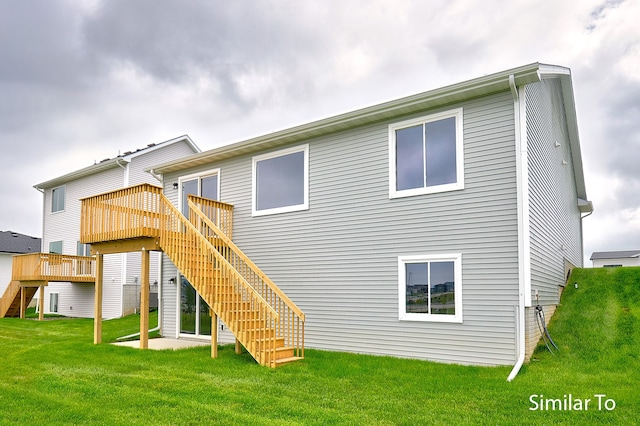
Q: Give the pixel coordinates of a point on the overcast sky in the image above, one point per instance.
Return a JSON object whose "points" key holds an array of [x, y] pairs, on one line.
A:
{"points": [[81, 81]]}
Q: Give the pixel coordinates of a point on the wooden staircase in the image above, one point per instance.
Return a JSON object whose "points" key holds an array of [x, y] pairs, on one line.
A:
{"points": [[262, 318], [11, 301]]}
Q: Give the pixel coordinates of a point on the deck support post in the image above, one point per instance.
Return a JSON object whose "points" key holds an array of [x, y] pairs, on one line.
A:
{"points": [[23, 302], [41, 304], [238, 347], [144, 301], [214, 334], [97, 307]]}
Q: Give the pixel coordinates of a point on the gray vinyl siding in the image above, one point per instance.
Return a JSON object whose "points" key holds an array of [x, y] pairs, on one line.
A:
{"points": [[555, 228], [338, 260], [169, 292]]}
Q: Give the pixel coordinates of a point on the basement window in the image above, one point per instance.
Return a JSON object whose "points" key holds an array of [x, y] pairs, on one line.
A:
{"points": [[430, 287]]}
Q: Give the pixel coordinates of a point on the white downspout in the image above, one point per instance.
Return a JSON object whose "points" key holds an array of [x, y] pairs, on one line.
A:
{"points": [[521, 172], [123, 256]]}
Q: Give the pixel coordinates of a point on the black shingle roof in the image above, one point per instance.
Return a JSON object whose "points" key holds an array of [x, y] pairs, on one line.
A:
{"points": [[12, 242]]}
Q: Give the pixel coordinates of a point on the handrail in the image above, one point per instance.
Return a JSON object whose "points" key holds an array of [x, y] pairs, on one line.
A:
{"points": [[190, 228], [291, 326], [225, 290], [220, 213], [243, 257]]}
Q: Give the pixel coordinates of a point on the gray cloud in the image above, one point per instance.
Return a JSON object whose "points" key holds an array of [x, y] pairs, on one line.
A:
{"points": [[220, 41]]}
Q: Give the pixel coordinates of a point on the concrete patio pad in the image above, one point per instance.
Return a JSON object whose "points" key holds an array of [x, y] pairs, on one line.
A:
{"points": [[163, 343]]}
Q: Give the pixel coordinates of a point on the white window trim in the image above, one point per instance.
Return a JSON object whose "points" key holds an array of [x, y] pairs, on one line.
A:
{"points": [[458, 185], [199, 176], [64, 200], [402, 289], [297, 207]]}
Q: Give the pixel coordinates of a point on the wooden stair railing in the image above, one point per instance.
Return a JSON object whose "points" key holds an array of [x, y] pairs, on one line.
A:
{"points": [[290, 326], [219, 284], [261, 322]]}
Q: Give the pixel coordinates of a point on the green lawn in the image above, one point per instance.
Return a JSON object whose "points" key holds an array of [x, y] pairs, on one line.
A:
{"points": [[51, 373]]}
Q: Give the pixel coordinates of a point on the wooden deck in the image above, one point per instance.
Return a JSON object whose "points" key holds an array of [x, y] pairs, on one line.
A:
{"points": [[263, 319], [34, 271]]}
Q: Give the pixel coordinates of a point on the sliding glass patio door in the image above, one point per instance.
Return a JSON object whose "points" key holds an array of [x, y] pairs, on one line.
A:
{"points": [[195, 319]]}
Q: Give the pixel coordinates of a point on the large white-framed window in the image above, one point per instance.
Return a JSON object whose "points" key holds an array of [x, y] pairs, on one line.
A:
{"points": [[426, 155], [430, 287], [281, 181], [57, 199]]}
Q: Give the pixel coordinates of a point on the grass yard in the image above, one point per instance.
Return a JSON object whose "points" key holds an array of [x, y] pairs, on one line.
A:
{"points": [[51, 373]]}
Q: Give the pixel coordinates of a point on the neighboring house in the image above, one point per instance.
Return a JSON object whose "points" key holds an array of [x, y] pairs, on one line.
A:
{"points": [[609, 259], [13, 243], [426, 227], [61, 229]]}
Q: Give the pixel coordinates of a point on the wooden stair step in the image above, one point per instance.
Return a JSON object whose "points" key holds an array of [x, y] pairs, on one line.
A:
{"points": [[284, 352], [288, 360]]}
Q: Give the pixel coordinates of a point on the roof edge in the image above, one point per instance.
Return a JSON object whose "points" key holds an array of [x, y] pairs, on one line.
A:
{"points": [[114, 162], [491, 83]]}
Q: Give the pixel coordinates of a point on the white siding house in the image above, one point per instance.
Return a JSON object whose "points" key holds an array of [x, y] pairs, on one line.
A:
{"points": [[426, 227], [612, 259], [61, 228]]}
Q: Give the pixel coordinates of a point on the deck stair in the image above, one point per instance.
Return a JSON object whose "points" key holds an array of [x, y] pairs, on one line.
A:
{"points": [[34, 270], [12, 299], [262, 318]]}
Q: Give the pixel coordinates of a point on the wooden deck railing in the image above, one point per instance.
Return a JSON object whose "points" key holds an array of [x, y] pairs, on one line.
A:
{"points": [[53, 267], [126, 213], [291, 323], [143, 211]]}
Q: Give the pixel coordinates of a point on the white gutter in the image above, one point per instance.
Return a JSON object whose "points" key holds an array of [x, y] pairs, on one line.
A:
{"points": [[153, 173], [523, 228]]}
